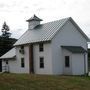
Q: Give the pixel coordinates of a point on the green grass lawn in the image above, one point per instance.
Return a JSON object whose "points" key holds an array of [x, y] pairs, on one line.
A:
{"points": [[43, 82]]}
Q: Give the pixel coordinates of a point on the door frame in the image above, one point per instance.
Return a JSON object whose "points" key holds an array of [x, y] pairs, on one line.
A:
{"points": [[67, 70]]}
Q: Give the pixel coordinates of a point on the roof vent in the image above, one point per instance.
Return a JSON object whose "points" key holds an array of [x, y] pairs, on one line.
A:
{"points": [[33, 22]]}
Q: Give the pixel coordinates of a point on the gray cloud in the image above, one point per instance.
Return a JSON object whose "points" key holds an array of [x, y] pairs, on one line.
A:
{"points": [[15, 11]]}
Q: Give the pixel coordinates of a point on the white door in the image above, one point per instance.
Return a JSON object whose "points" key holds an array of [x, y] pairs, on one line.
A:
{"points": [[67, 65]]}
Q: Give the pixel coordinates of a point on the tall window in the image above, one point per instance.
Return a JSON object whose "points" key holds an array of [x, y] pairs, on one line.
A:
{"points": [[22, 47], [22, 63], [67, 61], [41, 62], [7, 62], [21, 50], [41, 48]]}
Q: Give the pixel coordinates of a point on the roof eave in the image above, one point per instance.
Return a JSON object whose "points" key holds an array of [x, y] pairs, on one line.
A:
{"points": [[33, 20], [47, 41], [8, 58]]}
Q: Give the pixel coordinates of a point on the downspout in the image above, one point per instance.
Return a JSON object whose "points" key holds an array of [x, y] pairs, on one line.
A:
{"points": [[84, 64], [31, 62]]}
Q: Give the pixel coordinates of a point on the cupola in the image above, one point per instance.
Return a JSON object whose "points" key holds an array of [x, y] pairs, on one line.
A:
{"points": [[33, 22]]}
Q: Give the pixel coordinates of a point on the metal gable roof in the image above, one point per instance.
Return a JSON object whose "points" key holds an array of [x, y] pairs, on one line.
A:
{"points": [[42, 32], [10, 54], [45, 32]]}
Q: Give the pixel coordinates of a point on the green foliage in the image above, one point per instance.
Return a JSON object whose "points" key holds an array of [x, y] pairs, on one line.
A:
{"points": [[6, 43], [5, 30]]}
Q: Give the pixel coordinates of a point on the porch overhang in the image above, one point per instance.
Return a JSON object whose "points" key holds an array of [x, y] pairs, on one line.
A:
{"points": [[11, 54], [75, 49], [8, 58]]}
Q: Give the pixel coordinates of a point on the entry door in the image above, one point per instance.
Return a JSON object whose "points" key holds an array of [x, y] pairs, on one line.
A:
{"points": [[67, 65], [0, 66]]}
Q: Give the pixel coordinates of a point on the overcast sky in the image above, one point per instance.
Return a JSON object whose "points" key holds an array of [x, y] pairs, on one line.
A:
{"points": [[16, 12]]}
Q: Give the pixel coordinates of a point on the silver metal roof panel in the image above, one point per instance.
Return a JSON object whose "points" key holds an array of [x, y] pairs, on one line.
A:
{"points": [[42, 32]]}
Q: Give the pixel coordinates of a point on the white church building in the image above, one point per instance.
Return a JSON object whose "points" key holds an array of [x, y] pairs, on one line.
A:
{"points": [[57, 48]]}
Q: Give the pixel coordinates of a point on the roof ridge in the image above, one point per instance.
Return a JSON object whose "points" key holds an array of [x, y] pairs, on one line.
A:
{"points": [[55, 20]]}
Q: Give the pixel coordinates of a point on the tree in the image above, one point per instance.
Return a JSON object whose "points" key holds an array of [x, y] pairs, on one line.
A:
{"points": [[5, 30], [6, 43]]}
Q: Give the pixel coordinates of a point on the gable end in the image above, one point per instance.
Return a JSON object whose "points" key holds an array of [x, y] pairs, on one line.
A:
{"points": [[79, 29]]}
